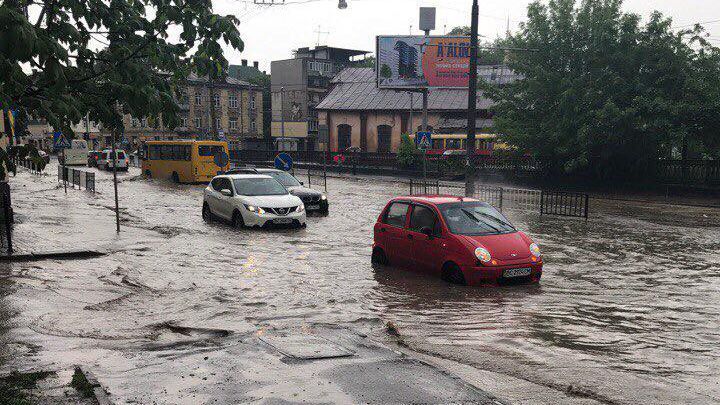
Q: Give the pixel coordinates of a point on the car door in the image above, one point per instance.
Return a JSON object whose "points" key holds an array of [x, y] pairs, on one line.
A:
{"points": [[428, 252], [393, 231], [225, 205], [212, 193]]}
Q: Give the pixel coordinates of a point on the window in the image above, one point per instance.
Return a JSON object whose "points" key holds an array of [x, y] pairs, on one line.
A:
{"points": [[198, 122], [216, 100], [253, 127], [232, 100], [438, 143], [384, 133], [169, 152], [344, 136], [422, 217], [198, 99], [395, 215], [217, 123], [252, 100], [233, 124], [216, 183], [183, 122], [210, 150]]}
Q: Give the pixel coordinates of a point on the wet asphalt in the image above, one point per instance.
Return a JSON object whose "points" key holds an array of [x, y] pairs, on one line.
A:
{"points": [[628, 310]]}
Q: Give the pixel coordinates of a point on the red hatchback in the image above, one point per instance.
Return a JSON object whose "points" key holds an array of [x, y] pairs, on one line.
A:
{"points": [[463, 240]]}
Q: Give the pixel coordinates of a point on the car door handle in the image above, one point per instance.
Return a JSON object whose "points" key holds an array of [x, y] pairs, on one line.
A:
{"points": [[410, 236], [382, 229]]}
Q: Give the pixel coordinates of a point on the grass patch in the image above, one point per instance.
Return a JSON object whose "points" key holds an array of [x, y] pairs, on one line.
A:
{"points": [[81, 384], [13, 386]]}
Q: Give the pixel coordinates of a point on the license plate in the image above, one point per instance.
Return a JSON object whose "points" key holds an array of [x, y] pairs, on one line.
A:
{"points": [[517, 272], [313, 207], [283, 221]]}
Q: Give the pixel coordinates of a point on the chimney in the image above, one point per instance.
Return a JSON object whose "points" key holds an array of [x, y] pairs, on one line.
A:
{"points": [[244, 62], [256, 64]]}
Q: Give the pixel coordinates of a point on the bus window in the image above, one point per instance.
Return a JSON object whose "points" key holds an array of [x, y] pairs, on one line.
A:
{"points": [[210, 150], [438, 144], [452, 144]]}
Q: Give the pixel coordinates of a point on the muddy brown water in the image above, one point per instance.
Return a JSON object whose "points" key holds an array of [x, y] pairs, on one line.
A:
{"points": [[632, 294]]}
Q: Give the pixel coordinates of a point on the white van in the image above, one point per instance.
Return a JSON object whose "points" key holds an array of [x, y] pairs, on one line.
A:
{"points": [[77, 154], [105, 161]]}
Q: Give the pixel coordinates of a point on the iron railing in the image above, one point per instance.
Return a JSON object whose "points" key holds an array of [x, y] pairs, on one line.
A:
{"points": [[563, 203], [77, 177], [7, 217]]}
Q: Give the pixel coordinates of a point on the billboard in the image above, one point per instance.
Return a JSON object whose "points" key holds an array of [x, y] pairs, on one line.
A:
{"points": [[412, 62]]}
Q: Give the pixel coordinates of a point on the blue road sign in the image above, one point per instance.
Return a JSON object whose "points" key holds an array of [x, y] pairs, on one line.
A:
{"points": [[283, 161], [60, 142], [221, 159], [423, 140]]}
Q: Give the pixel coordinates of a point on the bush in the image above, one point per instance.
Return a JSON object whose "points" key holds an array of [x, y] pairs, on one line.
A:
{"points": [[406, 152]]}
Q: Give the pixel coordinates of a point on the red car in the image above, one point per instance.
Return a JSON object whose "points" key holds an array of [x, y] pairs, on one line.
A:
{"points": [[463, 240]]}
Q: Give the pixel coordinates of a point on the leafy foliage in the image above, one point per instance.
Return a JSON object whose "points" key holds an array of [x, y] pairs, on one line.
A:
{"points": [[107, 58], [406, 151], [603, 94]]}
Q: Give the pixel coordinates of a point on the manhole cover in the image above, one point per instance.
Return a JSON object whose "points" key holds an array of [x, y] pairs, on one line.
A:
{"points": [[306, 347]]}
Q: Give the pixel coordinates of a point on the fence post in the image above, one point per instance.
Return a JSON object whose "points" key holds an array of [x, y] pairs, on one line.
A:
{"points": [[542, 200], [411, 186], [501, 199], [587, 205]]}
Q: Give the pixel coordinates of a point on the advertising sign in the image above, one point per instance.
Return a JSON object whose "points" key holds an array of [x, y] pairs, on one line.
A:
{"points": [[411, 62]]}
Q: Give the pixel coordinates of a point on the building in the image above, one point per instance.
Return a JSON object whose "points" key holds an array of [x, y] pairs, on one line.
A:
{"points": [[359, 114], [253, 74], [298, 85], [236, 106]]}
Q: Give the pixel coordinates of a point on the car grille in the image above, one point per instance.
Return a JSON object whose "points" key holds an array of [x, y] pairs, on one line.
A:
{"points": [[279, 211], [310, 199]]}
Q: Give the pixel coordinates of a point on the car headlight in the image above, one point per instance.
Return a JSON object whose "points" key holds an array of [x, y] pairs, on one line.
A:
{"points": [[256, 210], [301, 208], [483, 255], [323, 197], [535, 250]]}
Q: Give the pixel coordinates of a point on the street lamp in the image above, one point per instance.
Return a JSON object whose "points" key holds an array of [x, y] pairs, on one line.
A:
{"points": [[342, 5]]}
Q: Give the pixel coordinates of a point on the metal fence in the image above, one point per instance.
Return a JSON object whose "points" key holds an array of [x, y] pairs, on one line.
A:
{"points": [[7, 219], [317, 178], [29, 164], [547, 202], [77, 177], [564, 203]]}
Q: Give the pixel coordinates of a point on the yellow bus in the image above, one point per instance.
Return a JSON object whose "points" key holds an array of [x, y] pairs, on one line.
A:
{"points": [[185, 161], [485, 144]]}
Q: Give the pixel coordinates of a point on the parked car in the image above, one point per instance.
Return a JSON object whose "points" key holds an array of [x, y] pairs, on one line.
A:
{"points": [[315, 201], [252, 200], [105, 161], [92, 159], [462, 240]]}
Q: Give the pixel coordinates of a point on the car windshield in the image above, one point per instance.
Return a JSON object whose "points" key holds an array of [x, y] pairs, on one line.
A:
{"points": [[258, 186], [475, 218], [286, 179]]}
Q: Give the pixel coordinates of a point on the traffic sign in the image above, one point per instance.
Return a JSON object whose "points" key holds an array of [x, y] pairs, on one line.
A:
{"points": [[423, 140], [60, 142], [283, 161], [221, 159]]}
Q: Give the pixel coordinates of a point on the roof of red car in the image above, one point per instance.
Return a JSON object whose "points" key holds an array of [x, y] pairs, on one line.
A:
{"points": [[435, 198]]}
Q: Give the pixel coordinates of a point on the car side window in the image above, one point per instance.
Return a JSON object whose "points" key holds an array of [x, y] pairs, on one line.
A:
{"points": [[216, 184], [225, 184], [422, 217], [395, 215]]}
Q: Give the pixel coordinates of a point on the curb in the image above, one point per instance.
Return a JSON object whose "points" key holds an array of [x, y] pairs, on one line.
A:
{"points": [[68, 254], [99, 392]]}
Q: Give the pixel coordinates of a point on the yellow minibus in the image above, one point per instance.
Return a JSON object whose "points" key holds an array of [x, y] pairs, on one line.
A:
{"points": [[185, 161]]}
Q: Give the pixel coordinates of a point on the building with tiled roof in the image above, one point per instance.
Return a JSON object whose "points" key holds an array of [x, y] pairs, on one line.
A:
{"points": [[359, 114]]}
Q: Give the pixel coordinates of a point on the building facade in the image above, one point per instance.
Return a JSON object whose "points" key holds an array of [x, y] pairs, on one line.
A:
{"points": [[358, 114], [297, 87]]}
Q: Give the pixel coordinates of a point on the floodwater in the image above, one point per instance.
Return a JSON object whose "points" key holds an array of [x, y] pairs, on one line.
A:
{"points": [[628, 310]]}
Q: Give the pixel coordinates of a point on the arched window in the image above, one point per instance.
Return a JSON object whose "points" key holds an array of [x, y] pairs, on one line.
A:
{"points": [[344, 132], [384, 134]]}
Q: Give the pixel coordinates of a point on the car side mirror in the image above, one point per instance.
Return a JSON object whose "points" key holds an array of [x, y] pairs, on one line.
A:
{"points": [[226, 192], [302, 183], [426, 230]]}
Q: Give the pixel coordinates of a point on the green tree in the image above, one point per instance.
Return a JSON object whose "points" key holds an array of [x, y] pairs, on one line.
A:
{"points": [[406, 151], [107, 58], [385, 71], [460, 31], [368, 62], [602, 94]]}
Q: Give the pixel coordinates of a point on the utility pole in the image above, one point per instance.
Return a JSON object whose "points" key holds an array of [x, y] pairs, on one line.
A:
{"points": [[427, 23], [213, 114], [472, 103], [114, 160], [282, 119]]}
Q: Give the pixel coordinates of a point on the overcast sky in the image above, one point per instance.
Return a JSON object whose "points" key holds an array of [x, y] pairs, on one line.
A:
{"points": [[272, 32]]}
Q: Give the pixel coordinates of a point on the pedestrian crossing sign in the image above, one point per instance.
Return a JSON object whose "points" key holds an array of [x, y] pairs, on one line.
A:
{"points": [[423, 140], [60, 142]]}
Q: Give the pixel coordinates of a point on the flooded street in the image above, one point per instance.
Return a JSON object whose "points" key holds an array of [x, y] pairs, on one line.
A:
{"points": [[627, 311]]}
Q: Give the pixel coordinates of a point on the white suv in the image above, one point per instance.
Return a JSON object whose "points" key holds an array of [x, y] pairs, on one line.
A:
{"points": [[105, 161], [252, 200]]}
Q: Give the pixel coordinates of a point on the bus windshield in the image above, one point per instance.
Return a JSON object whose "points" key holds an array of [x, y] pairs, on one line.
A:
{"points": [[258, 186]]}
